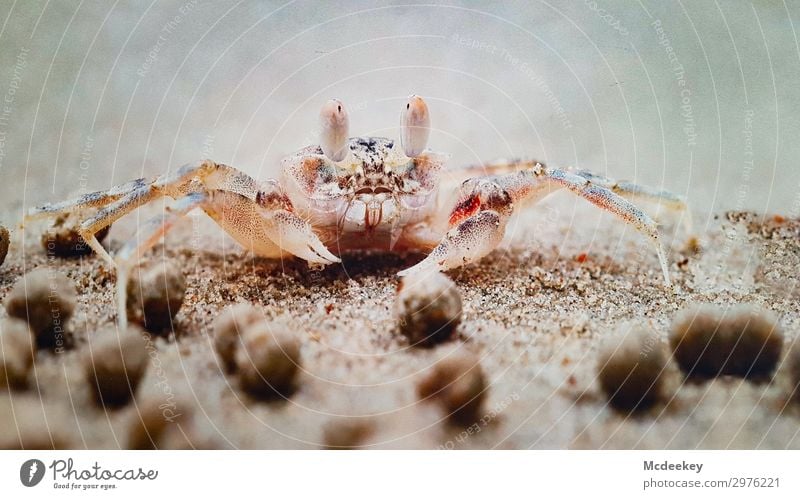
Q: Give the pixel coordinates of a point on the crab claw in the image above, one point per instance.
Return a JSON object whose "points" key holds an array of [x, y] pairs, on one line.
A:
{"points": [[295, 236], [467, 242], [334, 128], [415, 126]]}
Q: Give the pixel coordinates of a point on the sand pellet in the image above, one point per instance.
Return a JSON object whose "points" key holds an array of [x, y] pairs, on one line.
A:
{"points": [[30, 423], [46, 299], [708, 341], [427, 308], [155, 294], [349, 433], [115, 363], [63, 238], [456, 382], [228, 328], [268, 359], [793, 369], [151, 424], [17, 352], [4, 243], [631, 368]]}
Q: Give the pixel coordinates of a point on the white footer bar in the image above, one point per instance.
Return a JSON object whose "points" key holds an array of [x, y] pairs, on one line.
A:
{"points": [[406, 474]]}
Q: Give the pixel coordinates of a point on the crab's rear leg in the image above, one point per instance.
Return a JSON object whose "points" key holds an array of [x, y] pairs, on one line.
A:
{"points": [[479, 218], [90, 200], [93, 200], [608, 200], [114, 211], [639, 193], [114, 203]]}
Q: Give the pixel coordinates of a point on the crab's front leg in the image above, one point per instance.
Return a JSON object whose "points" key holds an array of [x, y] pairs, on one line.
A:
{"points": [[265, 225], [288, 231], [477, 226], [478, 220]]}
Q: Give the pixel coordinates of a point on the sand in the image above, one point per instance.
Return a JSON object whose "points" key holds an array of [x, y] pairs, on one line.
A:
{"points": [[535, 313]]}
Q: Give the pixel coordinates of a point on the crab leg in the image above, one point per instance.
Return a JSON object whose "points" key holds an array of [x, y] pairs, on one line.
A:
{"points": [[609, 201], [113, 212], [139, 193], [635, 192], [628, 190], [146, 237], [296, 236], [479, 218], [270, 232], [169, 184], [260, 217], [90, 200], [120, 200]]}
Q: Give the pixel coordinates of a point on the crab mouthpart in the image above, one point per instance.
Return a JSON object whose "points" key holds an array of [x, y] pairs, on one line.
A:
{"points": [[373, 215], [369, 211]]}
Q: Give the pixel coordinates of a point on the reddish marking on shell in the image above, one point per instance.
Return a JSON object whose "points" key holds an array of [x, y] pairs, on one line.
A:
{"points": [[274, 200], [581, 258], [464, 209], [310, 168], [778, 219]]}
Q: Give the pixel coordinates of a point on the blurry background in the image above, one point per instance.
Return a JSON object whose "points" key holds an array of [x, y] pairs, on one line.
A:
{"points": [[701, 98]]}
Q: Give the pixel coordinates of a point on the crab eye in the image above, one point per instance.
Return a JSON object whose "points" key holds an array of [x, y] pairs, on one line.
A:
{"points": [[415, 126], [334, 127]]}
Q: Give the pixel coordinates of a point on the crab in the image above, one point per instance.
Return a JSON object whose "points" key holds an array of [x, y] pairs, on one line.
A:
{"points": [[357, 193]]}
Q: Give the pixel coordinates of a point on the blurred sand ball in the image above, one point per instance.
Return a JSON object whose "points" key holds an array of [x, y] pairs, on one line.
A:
{"points": [[191, 435], [17, 352], [743, 341], [155, 294], [46, 300], [5, 241], [63, 238], [29, 423], [792, 362], [115, 363], [269, 358], [631, 369], [228, 328], [155, 420], [348, 433], [427, 308], [456, 382]]}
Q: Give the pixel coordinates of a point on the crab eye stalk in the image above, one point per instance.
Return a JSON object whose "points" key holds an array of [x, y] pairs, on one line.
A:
{"points": [[334, 128], [415, 126]]}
